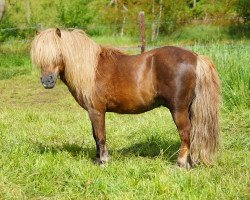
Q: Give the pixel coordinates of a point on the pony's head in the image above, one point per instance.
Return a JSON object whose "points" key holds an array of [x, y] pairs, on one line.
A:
{"points": [[46, 53], [70, 54]]}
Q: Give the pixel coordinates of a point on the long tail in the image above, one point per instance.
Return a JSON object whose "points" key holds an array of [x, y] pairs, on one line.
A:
{"points": [[205, 113]]}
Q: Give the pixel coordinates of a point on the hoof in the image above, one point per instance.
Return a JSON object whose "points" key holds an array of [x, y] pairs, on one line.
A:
{"points": [[101, 161], [185, 164]]}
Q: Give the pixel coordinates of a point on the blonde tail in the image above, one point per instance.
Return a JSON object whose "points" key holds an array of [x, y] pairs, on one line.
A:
{"points": [[205, 113]]}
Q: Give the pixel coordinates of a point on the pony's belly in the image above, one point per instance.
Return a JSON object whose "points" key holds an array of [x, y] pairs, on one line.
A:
{"points": [[134, 110], [132, 106]]}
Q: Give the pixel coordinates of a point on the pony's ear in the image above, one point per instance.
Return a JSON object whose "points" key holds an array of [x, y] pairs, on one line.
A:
{"points": [[58, 32]]}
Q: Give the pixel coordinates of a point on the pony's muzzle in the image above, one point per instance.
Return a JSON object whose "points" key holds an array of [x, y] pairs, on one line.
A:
{"points": [[49, 81]]}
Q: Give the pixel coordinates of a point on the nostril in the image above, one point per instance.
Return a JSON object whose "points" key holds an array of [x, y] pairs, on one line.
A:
{"points": [[48, 81]]}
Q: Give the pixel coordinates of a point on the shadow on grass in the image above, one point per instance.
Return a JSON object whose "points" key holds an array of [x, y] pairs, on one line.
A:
{"points": [[168, 150], [154, 147], [75, 150]]}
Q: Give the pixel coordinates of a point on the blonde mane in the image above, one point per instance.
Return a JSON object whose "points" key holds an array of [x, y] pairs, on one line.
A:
{"points": [[78, 52], [111, 52], [45, 49]]}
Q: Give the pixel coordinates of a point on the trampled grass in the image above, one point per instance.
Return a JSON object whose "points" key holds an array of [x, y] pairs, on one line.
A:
{"points": [[46, 144]]}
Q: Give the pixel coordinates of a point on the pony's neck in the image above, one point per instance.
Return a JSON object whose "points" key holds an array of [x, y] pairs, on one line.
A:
{"points": [[110, 52], [78, 97], [62, 77]]}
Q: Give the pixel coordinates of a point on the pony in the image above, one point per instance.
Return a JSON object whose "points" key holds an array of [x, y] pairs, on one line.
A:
{"points": [[104, 79]]}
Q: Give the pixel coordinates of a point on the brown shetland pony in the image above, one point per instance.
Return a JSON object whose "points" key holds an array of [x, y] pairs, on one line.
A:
{"points": [[103, 79]]}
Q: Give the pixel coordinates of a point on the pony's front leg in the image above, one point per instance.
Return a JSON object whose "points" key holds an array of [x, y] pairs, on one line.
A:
{"points": [[99, 133]]}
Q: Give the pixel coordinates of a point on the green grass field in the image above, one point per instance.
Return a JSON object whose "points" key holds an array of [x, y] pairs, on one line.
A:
{"points": [[46, 144]]}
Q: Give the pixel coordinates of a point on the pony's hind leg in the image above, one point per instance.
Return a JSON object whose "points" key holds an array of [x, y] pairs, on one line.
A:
{"points": [[99, 134], [182, 121]]}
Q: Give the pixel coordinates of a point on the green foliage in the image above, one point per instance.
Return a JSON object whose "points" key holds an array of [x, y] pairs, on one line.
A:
{"points": [[15, 20], [243, 8], [201, 34], [75, 14], [119, 17], [214, 8], [177, 14]]}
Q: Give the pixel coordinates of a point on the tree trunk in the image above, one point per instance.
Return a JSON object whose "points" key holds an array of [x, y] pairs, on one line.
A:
{"points": [[153, 26], [159, 20], [2, 3], [116, 16], [125, 9], [115, 2], [194, 3], [28, 11], [123, 25]]}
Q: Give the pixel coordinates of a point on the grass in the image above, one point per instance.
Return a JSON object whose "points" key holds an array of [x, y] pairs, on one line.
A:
{"points": [[46, 144], [209, 33]]}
